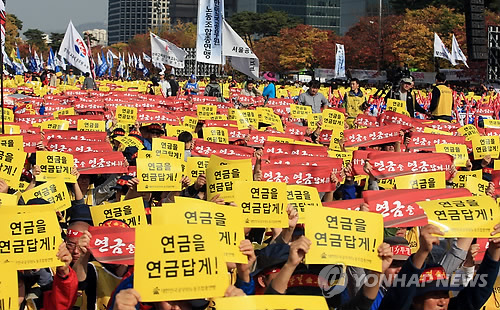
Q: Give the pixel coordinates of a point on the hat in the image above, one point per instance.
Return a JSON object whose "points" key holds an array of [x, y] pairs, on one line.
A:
{"points": [[156, 126], [162, 73], [433, 279], [400, 247], [118, 132], [121, 183], [406, 80], [270, 76], [193, 77], [273, 255], [80, 213], [37, 201]]}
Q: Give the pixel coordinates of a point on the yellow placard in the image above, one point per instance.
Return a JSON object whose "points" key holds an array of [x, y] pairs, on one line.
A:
{"points": [[263, 204], [12, 129], [385, 183], [264, 114], [11, 165], [170, 148], [266, 302], [32, 238], [9, 287], [12, 142], [88, 125], [68, 111], [484, 146], [227, 221], [55, 125], [55, 166], [344, 237], [159, 174], [205, 112], [8, 200], [196, 166], [125, 127], [437, 132], [53, 191], [175, 131], [9, 115], [179, 263], [128, 213], [246, 118], [337, 135], [465, 217], [300, 111], [468, 131], [398, 106], [128, 141], [221, 174], [428, 180], [458, 151], [476, 186], [312, 120], [126, 115], [190, 122], [302, 197], [332, 119], [496, 165], [460, 179], [216, 135], [275, 122], [491, 123]]}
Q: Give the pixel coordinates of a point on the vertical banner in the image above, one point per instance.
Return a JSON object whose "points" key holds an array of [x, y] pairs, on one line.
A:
{"points": [[340, 61], [209, 37]]}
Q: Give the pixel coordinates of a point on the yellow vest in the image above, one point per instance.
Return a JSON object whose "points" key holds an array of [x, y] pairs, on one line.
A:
{"points": [[445, 104], [72, 80], [353, 105]]}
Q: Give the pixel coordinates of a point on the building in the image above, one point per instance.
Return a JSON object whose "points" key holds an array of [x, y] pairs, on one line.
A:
{"points": [[353, 10], [126, 18], [323, 14], [186, 11], [101, 35]]}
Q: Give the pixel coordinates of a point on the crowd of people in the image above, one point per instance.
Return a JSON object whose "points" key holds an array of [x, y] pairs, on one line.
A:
{"points": [[275, 254]]}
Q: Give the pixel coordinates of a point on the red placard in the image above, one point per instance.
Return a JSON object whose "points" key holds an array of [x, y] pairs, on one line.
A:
{"points": [[349, 204], [113, 245], [372, 136], [316, 176], [71, 146], [206, 149], [367, 121], [398, 205], [391, 117], [483, 246], [281, 159], [294, 149], [75, 135], [391, 164], [425, 141], [100, 163]]}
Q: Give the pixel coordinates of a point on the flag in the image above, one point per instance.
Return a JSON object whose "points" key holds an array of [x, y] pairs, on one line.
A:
{"points": [[3, 20], [42, 63], [60, 64], [16, 63], [112, 54], [140, 65], [38, 63], [74, 49], [165, 52], [7, 61], [130, 63], [51, 64], [240, 55], [91, 60], [340, 61], [110, 57], [121, 66], [456, 53], [134, 61], [146, 57], [441, 51], [209, 31], [103, 67]]}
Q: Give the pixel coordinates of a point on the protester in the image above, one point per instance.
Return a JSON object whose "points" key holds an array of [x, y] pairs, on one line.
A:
{"points": [[174, 85], [442, 99], [191, 86], [213, 88], [270, 89], [166, 89], [313, 98], [89, 82], [405, 94], [354, 101]]}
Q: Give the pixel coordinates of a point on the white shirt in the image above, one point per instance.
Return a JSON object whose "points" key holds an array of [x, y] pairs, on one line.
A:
{"points": [[165, 88]]}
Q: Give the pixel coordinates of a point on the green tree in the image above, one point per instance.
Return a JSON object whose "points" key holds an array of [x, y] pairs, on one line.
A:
{"points": [[35, 38], [400, 6], [56, 39], [91, 38], [12, 28]]}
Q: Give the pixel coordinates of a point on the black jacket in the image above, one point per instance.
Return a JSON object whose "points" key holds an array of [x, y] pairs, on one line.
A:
{"points": [[412, 105]]}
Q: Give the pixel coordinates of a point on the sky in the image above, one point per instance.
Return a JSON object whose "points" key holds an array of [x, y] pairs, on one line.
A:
{"points": [[54, 15]]}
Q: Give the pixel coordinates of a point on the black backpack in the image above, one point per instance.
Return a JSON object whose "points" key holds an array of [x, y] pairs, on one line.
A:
{"points": [[214, 91]]}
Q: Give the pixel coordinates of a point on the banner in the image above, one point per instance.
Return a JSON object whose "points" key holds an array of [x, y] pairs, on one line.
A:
{"points": [[456, 53], [100, 163], [263, 204], [441, 51], [227, 221], [222, 173], [389, 164], [301, 197], [463, 217], [128, 213], [349, 204], [428, 180], [30, 240], [55, 166], [240, 56], [399, 208], [53, 191], [340, 61], [344, 237], [180, 264], [265, 302], [372, 136], [209, 34], [113, 245], [164, 52], [425, 141], [74, 49], [159, 174], [206, 149]]}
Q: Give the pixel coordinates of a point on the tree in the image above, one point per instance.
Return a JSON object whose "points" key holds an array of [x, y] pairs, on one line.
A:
{"points": [[35, 38], [91, 38], [12, 28], [268, 51], [400, 6], [56, 39]]}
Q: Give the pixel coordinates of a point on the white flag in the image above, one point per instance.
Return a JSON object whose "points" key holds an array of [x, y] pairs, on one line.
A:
{"points": [[209, 34], [146, 57], [441, 51], [165, 52], [74, 49], [130, 61], [240, 56], [112, 54], [456, 53], [340, 61]]}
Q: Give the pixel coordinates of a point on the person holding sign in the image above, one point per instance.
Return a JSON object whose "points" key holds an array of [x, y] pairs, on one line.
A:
{"points": [[405, 94], [313, 98]]}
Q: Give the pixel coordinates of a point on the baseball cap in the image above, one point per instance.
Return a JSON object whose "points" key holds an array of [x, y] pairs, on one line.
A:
{"points": [[434, 279], [193, 77], [406, 80], [274, 255], [400, 248]]}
